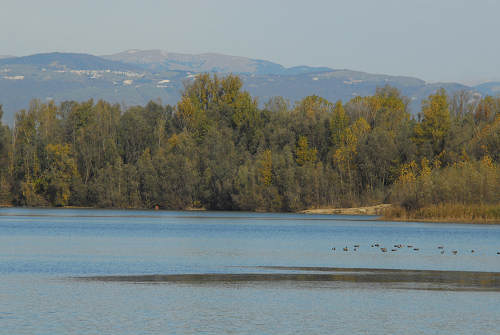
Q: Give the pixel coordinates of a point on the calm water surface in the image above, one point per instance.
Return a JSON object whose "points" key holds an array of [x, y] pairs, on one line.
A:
{"points": [[41, 250]]}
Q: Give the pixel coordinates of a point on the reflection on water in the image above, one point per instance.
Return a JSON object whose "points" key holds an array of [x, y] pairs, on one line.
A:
{"points": [[223, 273], [416, 279]]}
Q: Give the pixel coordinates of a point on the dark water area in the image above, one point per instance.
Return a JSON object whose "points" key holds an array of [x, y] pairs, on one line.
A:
{"points": [[408, 279], [128, 272]]}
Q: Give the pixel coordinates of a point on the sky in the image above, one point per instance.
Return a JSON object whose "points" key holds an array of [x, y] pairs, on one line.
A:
{"points": [[435, 40]]}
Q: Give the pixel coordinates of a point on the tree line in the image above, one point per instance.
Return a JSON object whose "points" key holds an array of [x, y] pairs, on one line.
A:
{"points": [[218, 149]]}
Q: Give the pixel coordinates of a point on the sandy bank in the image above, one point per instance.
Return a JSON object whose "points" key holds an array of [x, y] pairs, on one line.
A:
{"points": [[368, 210]]}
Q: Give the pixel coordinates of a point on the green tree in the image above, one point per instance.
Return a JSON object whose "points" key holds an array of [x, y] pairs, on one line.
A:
{"points": [[338, 123], [435, 123], [218, 149], [303, 153], [5, 162], [59, 174]]}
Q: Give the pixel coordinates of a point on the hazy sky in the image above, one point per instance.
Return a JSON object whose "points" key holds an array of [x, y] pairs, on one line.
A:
{"points": [[436, 40]]}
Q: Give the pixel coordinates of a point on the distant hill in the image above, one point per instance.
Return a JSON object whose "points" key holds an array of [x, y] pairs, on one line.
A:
{"points": [[490, 88], [135, 77], [68, 60], [158, 60]]}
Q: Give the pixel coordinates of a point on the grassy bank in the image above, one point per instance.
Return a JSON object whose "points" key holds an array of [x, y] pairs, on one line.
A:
{"points": [[446, 213]]}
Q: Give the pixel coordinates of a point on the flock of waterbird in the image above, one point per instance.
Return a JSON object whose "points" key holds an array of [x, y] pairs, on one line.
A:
{"points": [[397, 247]]}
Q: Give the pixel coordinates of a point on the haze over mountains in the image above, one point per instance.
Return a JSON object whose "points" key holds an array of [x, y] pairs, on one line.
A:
{"points": [[158, 60], [134, 77]]}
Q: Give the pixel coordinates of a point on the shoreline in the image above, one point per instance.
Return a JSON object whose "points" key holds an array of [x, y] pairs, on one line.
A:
{"points": [[443, 212], [442, 220], [364, 210], [376, 210], [381, 211]]}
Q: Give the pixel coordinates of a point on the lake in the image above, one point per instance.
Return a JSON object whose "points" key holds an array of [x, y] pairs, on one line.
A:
{"points": [[84, 271]]}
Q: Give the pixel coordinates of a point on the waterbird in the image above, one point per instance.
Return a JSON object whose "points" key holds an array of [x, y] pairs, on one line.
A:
{"points": [[440, 247], [416, 249], [442, 252], [454, 252], [345, 249], [356, 246], [410, 246], [394, 249], [333, 249], [377, 245], [498, 253], [383, 249], [472, 251]]}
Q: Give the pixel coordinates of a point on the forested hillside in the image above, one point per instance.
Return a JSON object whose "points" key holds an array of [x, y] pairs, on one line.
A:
{"points": [[218, 149]]}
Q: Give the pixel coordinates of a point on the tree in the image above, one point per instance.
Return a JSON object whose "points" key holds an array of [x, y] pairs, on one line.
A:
{"points": [[338, 123], [266, 168], [5, 162], [303, 153], [59, 174], [435, 122], [148, 180], [218, 149], [344, 156]]}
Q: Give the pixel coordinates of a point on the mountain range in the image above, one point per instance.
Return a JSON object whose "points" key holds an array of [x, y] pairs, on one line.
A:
{"points": [[134, 77]]}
